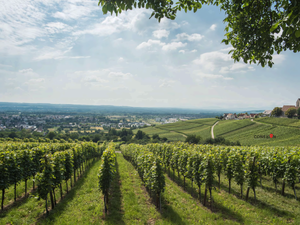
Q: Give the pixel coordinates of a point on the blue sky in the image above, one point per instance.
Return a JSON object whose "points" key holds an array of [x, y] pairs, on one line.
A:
{"points": [[54, 51]]}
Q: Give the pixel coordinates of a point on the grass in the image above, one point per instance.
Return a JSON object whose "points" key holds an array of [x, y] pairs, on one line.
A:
{"points": [[227, 126], [280, 121]]}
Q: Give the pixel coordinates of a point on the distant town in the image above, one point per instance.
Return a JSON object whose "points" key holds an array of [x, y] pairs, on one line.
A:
{"points": [[284, 111], [41, 123]]}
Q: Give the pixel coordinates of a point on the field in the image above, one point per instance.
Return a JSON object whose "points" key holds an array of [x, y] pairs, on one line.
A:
{"points": [[280, 121], [96, 128], [179, 130], [130, 203], [286, 131], [247, 132]]}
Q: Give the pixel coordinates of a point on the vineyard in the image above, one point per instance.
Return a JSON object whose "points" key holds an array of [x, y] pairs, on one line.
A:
{"points": [[47, 164], [85, 182], [244, 165]]}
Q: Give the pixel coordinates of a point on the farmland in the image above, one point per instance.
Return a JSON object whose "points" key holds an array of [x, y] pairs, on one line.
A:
{"points": [[178, 131], [246, 132], [280, 121], [285, 130], [131, 203]]}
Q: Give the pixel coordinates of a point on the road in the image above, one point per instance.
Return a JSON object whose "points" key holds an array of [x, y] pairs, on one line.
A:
{"points": [[212, 130]]}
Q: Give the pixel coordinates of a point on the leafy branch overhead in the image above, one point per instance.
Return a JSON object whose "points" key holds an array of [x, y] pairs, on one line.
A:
{"points": [[255, 28]]}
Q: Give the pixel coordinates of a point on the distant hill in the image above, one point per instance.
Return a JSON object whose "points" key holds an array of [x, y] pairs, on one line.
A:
{"points": [[286, 132], [105, 109], [179, 130], [73, 108]]}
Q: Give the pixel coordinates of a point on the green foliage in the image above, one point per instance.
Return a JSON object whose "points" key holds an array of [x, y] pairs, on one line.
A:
{"points": [[277, 111], [291, 112], [51, 135], [45, 178], [251, 25], [193, 139], [107, 169], [241, 164], [49, 164], [148, 165]]}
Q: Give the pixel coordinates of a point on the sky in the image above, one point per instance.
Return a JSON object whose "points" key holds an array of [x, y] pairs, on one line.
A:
{"points": [[68, 52]]}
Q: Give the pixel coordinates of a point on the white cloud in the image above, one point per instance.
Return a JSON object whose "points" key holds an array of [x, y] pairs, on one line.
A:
{"points": [[35, 84], [57, 27], [35, 81], [173, 46], [236, 67], [168, 24], [212, 60], [193, 51], [161, 33], [181, 51], [77, 57], [277, 59], [121, 59], [59, 50], [127, 21], [107, 27], [20, 23], [98, 73], [166, 83], [226, 49], [93, 79], [212, 76], [149, 43], [52, 53], [184, 23], [213, 27], [120, 75], [28, 72], [74, 10], [221, 62], [192, 37]]}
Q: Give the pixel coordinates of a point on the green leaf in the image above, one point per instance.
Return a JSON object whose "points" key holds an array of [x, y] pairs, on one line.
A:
{"points": [[274, 26], [104, 9], [297, 33]]}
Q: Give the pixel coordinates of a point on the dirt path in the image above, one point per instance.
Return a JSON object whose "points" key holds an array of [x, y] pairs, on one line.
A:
{"points": [[212, 130]]}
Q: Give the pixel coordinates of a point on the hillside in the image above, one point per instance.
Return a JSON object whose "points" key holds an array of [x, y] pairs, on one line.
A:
{"points": [[178, 131], [286, 131]]}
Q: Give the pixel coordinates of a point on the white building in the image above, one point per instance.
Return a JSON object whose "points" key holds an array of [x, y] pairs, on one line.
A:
{"points": [[267, 113], [230, 116]]}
